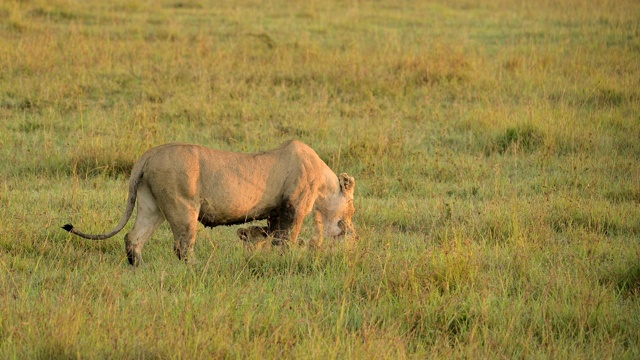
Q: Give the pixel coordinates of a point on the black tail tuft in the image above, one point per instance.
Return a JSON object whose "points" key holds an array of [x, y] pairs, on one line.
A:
{"points": [[68, 227]]}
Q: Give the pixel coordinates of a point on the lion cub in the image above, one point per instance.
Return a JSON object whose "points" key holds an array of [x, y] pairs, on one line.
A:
{"points": [[256, 236], [260, 237]]}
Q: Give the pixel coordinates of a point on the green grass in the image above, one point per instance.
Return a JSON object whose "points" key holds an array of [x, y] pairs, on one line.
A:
{"points": [[495, 146]]}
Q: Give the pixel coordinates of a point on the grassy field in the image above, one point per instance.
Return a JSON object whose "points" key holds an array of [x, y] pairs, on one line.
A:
{"points": [[495, 145]]}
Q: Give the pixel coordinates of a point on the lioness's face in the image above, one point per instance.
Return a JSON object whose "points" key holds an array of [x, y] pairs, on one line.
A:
{"points": [[337, 222], [343, 225]]}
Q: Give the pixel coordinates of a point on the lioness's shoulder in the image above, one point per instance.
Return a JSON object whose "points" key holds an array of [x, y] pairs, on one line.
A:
{"points": [[172, 147], [294, 144], [299, 148]]}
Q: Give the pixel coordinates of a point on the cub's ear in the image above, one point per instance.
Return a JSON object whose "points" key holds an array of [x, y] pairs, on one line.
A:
{"points": [[243, 234], [347, 183]]}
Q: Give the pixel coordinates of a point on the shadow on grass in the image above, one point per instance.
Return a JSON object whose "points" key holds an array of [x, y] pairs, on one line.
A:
{"points": [[525, 138], [627, 281]]}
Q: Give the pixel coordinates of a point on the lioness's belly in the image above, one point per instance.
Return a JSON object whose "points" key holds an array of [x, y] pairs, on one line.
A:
{"points": [[226, 214], [233, 194]]}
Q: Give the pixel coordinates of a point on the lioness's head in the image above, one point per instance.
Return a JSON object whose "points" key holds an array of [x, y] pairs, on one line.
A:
{"points": [[340, 209]]}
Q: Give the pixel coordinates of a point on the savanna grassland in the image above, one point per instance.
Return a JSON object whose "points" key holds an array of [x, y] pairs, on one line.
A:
{"points": [[495, 145]]}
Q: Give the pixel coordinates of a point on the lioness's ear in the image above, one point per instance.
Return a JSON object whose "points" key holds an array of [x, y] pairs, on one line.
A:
{"points": [[347, 183]]}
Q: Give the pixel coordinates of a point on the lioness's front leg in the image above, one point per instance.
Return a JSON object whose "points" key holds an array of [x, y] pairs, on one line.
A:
{"points": [[279, 225], [302, 209], [318, 229], [285, 229]]}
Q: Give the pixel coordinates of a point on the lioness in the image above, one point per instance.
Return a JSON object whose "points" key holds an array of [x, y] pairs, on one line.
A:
{"points": [[184, 184]]}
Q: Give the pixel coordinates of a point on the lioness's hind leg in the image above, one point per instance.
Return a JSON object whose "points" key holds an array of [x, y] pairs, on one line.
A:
{"points": [[184, 240], [148, 220], [184, 225]]}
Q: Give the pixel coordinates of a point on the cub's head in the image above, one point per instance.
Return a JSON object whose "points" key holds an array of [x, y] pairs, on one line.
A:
{"points": [[253, 234], [339, 210]]}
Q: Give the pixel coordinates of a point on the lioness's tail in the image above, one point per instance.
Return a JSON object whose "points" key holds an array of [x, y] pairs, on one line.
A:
{"points": [[136, 176]]}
